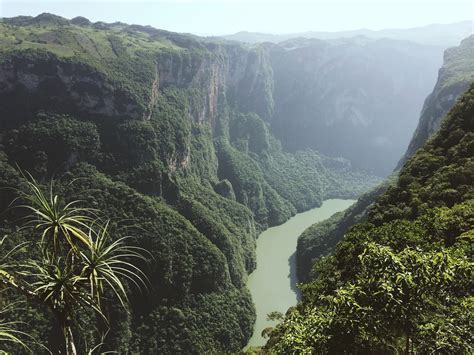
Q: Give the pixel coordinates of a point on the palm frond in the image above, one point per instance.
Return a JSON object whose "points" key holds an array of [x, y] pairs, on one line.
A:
{"points": [[57, 222], [107, 264], [60, 288], [8, 329]]}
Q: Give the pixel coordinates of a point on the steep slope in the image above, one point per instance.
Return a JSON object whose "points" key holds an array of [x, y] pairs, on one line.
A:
{"points": [[321, 238], [454, 77], [457, 70], [402, 282], [166, 132]]}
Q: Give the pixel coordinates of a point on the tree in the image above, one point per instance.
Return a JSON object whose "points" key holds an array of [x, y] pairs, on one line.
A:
{"points": [[76, 261], [394, 304]]}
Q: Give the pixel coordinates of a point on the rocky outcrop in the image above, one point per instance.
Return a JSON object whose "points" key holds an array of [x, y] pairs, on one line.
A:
{"points": [[454, 78], [61, 85], [243, 76]]}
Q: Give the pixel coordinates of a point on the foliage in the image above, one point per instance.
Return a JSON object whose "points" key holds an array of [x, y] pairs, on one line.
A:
{"points": [[76, 265], [321, 238], [141, 124], [304, 179], [402, 282]]}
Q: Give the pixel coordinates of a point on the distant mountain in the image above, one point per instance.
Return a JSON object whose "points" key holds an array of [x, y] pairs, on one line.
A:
{"points": [[445, 35], [357, 98], [171, 133], [454, 78]]}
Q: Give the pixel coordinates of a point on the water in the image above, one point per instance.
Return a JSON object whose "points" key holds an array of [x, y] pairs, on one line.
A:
{"points": [[273, 283]]}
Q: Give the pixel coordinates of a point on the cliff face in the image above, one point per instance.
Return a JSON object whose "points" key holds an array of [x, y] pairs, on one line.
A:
{"points": [[357, 98], [45, 80], [454, 78], [241, 75], [172, 133]]}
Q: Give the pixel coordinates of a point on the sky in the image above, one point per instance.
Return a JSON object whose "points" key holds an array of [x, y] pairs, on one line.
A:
{"points": [[218, 17]]}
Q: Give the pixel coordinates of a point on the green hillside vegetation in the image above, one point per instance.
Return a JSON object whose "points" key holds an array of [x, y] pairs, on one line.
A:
{"points": [[402, 281], [321, 238], [150, 128], [454, 78]]}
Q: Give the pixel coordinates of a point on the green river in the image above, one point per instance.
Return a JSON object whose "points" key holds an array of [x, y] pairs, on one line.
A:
{"points": [[273, 283]]}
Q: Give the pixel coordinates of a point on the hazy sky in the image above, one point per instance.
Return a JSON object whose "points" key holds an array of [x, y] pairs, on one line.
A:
{"points": [[229, 16]]}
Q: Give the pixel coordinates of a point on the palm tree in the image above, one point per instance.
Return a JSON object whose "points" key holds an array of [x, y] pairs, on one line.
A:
{"points": [[79, 260]]}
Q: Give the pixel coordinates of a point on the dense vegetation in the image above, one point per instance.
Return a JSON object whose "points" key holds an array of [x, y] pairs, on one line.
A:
{"points": [[402, 281], [454, 78], [165, 134], [321, 238], [69, 263]]}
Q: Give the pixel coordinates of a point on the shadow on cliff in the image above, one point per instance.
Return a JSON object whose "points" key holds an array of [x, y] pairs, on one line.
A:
{"points": [[292, 276]]}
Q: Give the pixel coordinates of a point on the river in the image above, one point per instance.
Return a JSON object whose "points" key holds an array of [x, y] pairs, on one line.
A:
{"points": [[273, 283]]}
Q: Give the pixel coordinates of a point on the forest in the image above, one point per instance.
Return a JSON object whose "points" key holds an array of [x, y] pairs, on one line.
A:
{"points": [[138, 167], [402, 280]]}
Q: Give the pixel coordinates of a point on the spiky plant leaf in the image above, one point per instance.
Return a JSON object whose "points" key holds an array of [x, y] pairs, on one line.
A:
{"points": [[58, 223], [107, 264]]}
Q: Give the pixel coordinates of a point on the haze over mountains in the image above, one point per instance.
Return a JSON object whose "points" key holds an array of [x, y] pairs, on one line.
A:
{"points": [[192, 146], [455, 77], [444, 35]]}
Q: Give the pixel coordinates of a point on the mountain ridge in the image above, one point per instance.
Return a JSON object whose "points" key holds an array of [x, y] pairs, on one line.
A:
{"points": [[167, 132], [459, 30]]}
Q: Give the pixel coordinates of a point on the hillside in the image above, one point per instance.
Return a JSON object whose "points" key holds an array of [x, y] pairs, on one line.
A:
{"points": [[454, 77], [356, 98], [401, 281], [169, 136]]}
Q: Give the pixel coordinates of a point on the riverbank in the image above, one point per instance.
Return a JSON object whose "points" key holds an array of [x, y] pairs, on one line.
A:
{"points": [[273, 283]]}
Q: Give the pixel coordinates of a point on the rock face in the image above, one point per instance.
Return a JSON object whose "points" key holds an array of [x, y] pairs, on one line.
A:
{"points": [[454, 78], [173, 133], [241, 75], [359, 99], [62, 85], [201, 136]]}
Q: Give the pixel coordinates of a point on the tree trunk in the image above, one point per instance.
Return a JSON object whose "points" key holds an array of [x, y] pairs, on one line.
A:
{"points": [[65, 326], [70, 346], [407, 345]]}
